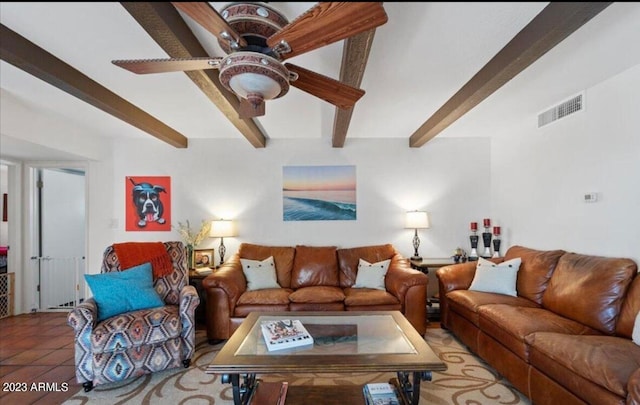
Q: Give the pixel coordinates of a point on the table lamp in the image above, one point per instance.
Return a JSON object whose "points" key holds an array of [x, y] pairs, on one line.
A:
{"points": [[222, 228], [417, 220]]}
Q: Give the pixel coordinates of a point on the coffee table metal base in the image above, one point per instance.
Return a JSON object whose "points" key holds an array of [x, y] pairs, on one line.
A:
{"points": [[409, 390]]}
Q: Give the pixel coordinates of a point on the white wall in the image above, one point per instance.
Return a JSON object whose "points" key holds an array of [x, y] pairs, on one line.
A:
{"points": [[539, 176], [231, 179], [44, 128]]}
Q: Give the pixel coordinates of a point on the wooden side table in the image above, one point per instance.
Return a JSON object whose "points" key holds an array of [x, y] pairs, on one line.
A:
{"points": [[425, 264], [433, 303], [195, 279]]}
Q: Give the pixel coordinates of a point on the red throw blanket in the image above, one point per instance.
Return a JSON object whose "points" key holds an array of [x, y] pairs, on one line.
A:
{"points": [[132, 254]]}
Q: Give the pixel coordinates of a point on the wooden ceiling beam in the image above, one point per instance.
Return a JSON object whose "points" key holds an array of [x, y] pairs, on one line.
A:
{"points": [[355, 55], [29, 57], [550, 27], [166, 26]]}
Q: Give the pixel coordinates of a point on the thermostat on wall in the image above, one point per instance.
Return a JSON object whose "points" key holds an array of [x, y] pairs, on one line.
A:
{"points": [[591, 197]]}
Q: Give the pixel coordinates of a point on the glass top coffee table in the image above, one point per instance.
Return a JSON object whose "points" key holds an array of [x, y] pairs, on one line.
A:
{"points": [[344, 342]]}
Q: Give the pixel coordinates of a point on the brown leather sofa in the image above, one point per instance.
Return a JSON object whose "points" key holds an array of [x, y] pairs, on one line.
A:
{"points": [[566, 338], [321, 278]]}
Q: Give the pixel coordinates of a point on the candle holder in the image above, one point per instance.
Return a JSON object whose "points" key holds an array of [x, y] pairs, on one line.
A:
{"points": [[486, 238], [496, 247], [473, 256], [473, 238], [496, 241]]}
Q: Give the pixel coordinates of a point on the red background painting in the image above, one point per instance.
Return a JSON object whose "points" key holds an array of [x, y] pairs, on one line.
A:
{"points": [[131, 214]]}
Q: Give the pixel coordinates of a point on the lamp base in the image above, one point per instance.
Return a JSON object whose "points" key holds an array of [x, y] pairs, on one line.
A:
{"points": [[416, 257]]}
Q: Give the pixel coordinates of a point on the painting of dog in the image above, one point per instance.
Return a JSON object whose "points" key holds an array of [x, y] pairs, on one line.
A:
{"points": [[148, 203]]}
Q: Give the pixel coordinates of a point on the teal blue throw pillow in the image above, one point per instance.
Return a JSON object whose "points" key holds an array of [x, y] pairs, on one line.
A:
{"points": [[123, 291]]}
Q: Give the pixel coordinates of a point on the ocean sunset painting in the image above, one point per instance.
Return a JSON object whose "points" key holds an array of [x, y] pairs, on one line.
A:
{"points": [[319, 193]]}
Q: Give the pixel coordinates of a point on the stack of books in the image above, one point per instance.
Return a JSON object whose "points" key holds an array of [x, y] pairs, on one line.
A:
{"points": [[285, 334], [204, 271], [380, 394]]}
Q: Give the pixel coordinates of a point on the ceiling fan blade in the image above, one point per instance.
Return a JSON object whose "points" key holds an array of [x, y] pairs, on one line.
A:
{"points": [[337, 93], [211, 20], [144, 66], [327, 23], [250, 110]]}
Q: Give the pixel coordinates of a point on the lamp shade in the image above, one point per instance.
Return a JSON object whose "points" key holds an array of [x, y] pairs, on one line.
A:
{"points": [[222, 228], [417, 220]]}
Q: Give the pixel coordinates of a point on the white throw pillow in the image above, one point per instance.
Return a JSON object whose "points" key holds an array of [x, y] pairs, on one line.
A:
{"points": [[371, 275], [496, 278], [260, 274], [636, 330]]}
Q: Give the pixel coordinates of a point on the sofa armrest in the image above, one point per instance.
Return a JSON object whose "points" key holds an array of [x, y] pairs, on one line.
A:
{"points": [[450, 278], [455, 277], [223, 288], [229, 277], [410, 287], [189, 300], [400, 277], [83, 319]]}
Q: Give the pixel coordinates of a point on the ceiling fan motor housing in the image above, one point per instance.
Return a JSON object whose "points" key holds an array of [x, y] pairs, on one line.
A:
{"points": [[255, 22]]}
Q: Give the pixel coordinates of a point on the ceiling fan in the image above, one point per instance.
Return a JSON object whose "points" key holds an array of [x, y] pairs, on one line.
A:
{"points": [[257, 39]]}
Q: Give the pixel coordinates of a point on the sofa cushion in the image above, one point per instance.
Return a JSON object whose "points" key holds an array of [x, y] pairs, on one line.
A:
{"points": [[496, 278], [466, 303], [589, 289], [606, 361], [314, 266], [366, 296], [636, 330], [260, 274], [371, 275], [133, 329], [349, 258], [270, 296], [535, 270], [242, 311], [510, 325], [317, 294], [282, 257]]}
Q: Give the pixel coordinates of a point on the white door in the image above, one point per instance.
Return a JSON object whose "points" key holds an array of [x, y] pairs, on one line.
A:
{"points": [[61, 220]]}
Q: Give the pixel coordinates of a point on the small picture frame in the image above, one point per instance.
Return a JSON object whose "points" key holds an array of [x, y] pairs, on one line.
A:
{"points": [[202, 258]]}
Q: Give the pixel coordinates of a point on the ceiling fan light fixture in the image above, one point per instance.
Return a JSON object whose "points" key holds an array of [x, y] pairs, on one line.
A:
{"points": [[252, 73], [246, 84]]}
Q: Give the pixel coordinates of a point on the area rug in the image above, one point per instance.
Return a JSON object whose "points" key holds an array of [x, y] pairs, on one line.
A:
{"points": [[468, 380]]}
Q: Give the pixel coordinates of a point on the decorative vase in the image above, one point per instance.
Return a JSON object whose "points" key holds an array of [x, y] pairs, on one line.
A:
{"points": [[190, 264]]}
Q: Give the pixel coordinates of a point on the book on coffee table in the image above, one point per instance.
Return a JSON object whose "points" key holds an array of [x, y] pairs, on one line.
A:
{"points": [[380, 394], [285, 333]]}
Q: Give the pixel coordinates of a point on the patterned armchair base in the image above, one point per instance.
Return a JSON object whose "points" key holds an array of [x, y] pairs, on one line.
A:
{"points": [[140, 342]]}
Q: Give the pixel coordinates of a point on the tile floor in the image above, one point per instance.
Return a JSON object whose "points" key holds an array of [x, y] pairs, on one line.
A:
{"points": [[38, 348]]}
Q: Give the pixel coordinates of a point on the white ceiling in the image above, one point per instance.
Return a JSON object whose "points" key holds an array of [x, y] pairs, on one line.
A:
{"points": [[419, 59]]}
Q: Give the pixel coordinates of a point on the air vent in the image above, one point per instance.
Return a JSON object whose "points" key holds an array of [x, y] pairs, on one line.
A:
{"points": [[561, 110]]}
